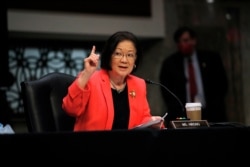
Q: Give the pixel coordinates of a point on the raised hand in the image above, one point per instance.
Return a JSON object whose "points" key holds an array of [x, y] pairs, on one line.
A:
{"points": [[90, 66], [91, 62]]}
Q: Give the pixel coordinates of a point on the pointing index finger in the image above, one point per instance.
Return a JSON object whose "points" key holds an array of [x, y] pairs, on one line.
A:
{"points": [[93, 50]]}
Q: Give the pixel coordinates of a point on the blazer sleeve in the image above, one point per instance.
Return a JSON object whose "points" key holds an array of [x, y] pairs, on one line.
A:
{"points": [[76, 99]]}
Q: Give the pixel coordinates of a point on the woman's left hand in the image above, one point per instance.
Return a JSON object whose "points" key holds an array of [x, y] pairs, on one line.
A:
{"points": [[159, 125]]}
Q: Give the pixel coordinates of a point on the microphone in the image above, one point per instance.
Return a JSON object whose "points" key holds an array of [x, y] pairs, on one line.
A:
{"points": [[157, 83]]}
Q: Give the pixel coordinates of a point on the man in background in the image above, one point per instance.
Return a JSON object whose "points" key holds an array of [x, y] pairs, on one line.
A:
{"points": [[206, 84]]}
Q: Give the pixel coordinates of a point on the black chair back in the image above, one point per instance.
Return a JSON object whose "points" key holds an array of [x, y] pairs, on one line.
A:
{"points": [[42, 102]]}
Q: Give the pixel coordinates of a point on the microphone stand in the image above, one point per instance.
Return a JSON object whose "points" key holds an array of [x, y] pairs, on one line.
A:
{"points": [[179, 101], [182, 122]]}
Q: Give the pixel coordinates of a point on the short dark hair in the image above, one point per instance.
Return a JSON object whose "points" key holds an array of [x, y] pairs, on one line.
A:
{"points": [[111, 45], [181, 30]]}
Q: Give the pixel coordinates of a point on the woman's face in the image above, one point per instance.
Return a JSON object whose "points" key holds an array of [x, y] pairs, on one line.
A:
{"points": [[123, 58]]}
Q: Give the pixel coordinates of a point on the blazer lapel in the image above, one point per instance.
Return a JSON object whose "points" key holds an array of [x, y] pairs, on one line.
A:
{"points": [[108, 98], [132, 96]]}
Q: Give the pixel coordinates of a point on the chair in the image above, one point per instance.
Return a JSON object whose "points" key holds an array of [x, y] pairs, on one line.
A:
{"points": [[42, 102]]}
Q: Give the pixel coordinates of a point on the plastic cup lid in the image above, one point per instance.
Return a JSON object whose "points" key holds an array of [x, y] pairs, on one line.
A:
{"points": [[193, 105]]}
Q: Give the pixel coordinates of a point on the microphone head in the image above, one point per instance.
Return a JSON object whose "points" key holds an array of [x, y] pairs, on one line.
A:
{"points": [[148, 81]]}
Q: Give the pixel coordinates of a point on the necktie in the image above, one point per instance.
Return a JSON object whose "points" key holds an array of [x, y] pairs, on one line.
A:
{"points": [[192, 83]]}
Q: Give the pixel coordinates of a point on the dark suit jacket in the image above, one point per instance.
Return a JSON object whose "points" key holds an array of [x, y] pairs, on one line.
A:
{"points": [[214, 80]]}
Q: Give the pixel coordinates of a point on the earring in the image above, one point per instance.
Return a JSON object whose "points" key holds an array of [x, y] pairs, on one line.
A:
{"points": [[134, 66]]}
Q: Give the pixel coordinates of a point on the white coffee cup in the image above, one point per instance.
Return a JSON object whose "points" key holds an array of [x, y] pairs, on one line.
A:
{"points": [[193, 111]]}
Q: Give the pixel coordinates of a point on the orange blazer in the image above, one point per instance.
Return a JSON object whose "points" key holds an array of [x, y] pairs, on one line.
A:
{"points": [[93, 106]]}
